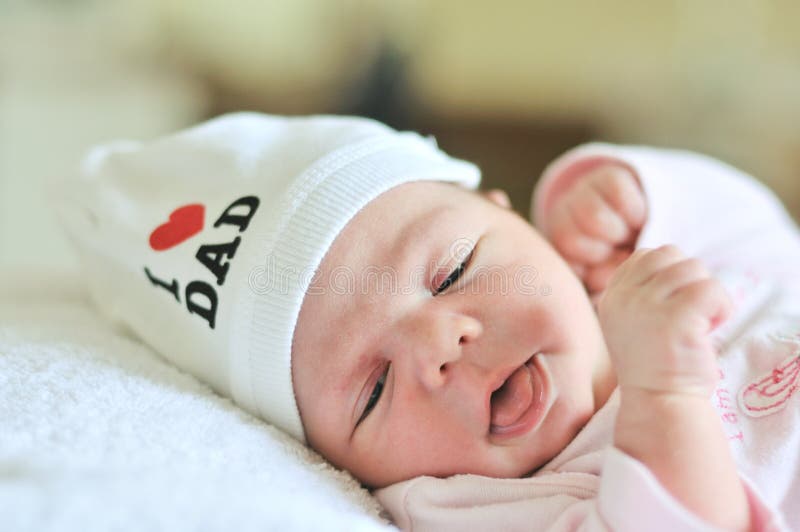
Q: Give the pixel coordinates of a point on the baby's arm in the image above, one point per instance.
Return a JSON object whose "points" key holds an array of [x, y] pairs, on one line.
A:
{"points": [[711, 210], [599, 203], [656, 315]]}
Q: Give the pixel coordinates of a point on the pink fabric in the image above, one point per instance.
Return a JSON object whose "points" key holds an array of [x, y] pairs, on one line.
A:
{"points": [[738, 227]]}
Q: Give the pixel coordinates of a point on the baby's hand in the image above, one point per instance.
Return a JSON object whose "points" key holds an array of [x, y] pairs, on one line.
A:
{"points": [[595, 223], [656, 314]]}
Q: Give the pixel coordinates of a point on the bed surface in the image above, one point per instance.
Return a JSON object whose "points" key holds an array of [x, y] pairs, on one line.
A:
{"points": [[98, 433]]}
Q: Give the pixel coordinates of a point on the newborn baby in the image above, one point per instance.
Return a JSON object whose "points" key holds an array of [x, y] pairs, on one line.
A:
{"points": [[465, 368], [356, 291]]}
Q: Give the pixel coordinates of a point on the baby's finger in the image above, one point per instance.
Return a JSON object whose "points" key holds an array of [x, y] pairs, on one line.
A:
{"points": [[620, 188], [597, 277], [574, 244], [643, 264], [709, 298], [595, 217], [678, 275], [725, 309]]}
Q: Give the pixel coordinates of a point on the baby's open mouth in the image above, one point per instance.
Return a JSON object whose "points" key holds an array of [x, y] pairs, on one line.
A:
{"points": [[519, 405]]}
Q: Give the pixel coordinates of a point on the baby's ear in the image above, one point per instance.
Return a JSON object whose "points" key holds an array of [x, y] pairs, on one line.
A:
{"points": [[497, 196]]}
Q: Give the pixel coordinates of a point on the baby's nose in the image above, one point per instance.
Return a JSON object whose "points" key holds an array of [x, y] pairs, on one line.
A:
{"points": [[437, 341]]}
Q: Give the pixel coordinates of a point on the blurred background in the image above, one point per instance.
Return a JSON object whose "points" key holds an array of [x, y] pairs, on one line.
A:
{"points": [[506, 84]]}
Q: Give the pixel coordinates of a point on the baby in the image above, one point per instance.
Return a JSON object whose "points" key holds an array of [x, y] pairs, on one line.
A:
{"points": [[353, 288]]}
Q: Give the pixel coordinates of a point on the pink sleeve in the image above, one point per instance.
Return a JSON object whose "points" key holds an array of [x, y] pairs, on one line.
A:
{"points": [[554, 502], [708, 208], [627, 497], [631, 498]]}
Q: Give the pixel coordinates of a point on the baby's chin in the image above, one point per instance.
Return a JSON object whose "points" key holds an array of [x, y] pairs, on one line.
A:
{"points": [[517, 469], [578, 415]]}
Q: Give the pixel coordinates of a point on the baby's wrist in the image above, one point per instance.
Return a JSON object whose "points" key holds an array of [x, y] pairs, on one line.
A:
{"points": [[644, 411], [666, 389], [680, 439], [642, 406], [669, 398]]}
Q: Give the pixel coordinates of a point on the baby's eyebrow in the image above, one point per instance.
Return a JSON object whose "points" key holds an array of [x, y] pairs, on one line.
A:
{"points": [[419, 227]]}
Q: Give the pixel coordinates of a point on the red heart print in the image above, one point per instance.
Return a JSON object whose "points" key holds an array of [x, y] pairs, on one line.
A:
{"points": [[184, 222]]}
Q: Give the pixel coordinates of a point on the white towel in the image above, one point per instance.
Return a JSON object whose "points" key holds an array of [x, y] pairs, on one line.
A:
{"points": [[97, 432]]}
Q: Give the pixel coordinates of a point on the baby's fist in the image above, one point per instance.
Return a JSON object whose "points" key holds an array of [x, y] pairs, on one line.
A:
{"points": [[595, 223], [656, 315]]}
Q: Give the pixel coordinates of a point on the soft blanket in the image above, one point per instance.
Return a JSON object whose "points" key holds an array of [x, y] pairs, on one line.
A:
{"points": [[99, 433]]}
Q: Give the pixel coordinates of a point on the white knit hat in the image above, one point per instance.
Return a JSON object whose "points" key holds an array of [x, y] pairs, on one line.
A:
{"points": [[203, 243]]}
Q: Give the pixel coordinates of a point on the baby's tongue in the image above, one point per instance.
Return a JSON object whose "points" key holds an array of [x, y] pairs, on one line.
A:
{"points": [[513, 398]]}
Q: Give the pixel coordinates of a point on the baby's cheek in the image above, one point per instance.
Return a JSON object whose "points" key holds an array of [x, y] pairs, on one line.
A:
{"points": [[438, 444]]}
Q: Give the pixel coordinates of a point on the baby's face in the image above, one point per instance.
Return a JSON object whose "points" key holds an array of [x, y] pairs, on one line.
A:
{"points": [[396, 378]]}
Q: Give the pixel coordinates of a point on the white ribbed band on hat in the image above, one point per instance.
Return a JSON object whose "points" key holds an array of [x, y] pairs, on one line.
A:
{"points": [[315, 209]]}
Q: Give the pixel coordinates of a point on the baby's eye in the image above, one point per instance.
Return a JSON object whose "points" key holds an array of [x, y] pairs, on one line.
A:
{"points": [[454, 276], [375, 395]]}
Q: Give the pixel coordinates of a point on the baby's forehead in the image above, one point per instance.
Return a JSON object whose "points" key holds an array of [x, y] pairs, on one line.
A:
{"points": [[397, 216], [385, 243]]}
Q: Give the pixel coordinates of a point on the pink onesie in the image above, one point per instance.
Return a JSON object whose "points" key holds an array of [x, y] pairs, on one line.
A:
{"points": [[744, 235]]}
